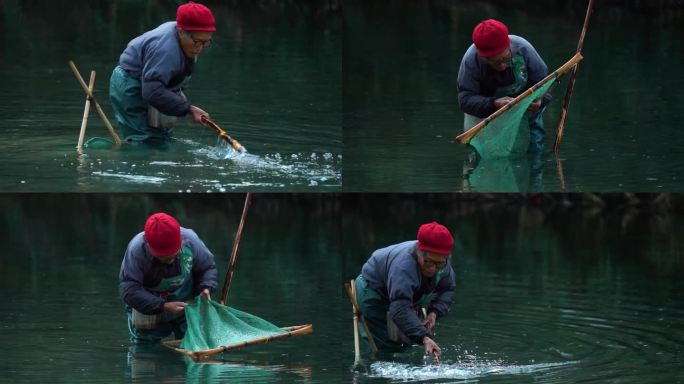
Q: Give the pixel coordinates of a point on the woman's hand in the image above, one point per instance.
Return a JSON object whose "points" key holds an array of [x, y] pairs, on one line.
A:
{"points": [[196, 114], [175, 307]]}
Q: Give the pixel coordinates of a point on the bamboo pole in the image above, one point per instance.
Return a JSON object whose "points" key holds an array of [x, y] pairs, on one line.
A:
{"points": [[468, 135], [86, 111], [352, 297], [290, 331], [224, 135], [561, 177], [355, 316], [571, 81], [236, 246], [99, 110], [297, 330]]}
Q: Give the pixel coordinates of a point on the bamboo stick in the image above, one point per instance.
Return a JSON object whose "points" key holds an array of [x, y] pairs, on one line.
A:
{"points": [[236, 246], [571, 81], [355, 316], [290, 331], [468, 135], [352, 297], [224, 135], [86, 111], [561, 177], [297, 330], [99, 110]]}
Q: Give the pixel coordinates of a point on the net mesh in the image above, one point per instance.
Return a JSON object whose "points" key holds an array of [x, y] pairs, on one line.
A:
{"points": [[212, 325], [502, 136]]}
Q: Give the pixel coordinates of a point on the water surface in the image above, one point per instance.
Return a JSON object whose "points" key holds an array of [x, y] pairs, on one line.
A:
{"points": [[544, 295], [271, 79], [64, 322], [401, 113], [546, 292]]}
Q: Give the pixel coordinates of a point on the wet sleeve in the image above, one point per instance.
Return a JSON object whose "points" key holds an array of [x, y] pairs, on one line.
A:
{"points": [[131, 287], [444, 294], [204, 267], [469, 98], [157, 72], [400, 286]]}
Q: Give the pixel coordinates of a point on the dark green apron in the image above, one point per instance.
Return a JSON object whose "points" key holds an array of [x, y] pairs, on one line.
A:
{"points": [[177, 288]]}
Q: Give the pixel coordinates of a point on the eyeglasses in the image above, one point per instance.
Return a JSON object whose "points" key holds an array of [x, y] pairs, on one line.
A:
{"points": [[429, 263], [506, 58], [204, 44]]}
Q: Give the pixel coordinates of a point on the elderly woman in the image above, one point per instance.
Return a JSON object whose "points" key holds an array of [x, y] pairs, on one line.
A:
{"points": [[146, 86], [400, 279]]}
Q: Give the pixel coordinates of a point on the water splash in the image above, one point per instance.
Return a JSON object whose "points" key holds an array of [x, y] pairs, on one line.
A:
{"points": [[314, 168], [217, 168], [132, 178], [461, 371]]}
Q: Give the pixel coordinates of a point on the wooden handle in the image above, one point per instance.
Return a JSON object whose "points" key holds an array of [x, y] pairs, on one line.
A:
{"points": [[224, 135], [468, 135]]}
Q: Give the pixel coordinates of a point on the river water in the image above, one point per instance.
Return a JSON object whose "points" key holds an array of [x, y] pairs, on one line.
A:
{"points": [[271, 79], [545, 292], [400, 99]]}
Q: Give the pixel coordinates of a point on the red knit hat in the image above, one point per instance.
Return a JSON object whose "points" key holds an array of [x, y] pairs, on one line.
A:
{"points": [[491, 38], [162, 234], [195, 17], [435, 237]]}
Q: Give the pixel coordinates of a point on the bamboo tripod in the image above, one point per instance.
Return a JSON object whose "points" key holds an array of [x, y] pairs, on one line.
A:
{"points": [[357, 315], [90, 100]]}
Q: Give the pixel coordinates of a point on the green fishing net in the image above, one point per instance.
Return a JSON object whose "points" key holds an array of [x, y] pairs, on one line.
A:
{"points": [[212, 325], [504, 135]]}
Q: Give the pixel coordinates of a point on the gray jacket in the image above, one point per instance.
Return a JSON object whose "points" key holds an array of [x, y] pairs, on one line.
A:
{"points": [[156, 59], [395, 274], [477, 81], [140, 271]]}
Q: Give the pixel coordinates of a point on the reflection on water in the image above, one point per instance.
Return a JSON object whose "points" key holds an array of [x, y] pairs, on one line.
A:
{"points": [[156, 363], [514, 174]]}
